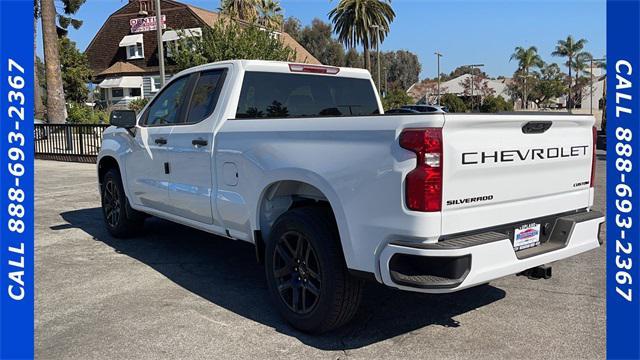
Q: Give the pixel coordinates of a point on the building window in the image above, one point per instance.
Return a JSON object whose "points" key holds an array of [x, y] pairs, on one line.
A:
{"points": [[171, 39], [145, 6], [135, 92], [155, 83], [135, 51], [117, 92]]}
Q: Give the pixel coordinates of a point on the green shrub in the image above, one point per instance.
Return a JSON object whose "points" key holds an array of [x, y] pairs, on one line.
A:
{"points": [[137, 104], [494, 104], [395, 99], [453, 103], [83, 114]]}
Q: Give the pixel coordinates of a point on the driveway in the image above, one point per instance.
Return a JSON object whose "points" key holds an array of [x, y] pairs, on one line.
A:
{"points": [[181, 293]]}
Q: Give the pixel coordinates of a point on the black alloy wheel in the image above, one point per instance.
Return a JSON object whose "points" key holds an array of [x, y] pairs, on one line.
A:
{"points": [[297, 272], [112, 204], [121, 220], [306, 272]]}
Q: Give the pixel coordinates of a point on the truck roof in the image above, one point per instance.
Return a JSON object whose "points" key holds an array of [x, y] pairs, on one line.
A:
{"points": [[281, 67]]}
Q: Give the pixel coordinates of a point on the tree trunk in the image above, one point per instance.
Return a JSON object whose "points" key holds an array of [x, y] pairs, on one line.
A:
{"points": [[37, 98], [526, 75], [569, 100], [578, 94], [367, 58], [56, 110]]}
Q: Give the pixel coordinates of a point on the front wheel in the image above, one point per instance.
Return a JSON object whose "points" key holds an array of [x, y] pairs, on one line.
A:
{"points": [[306, 272], [121, 220]]}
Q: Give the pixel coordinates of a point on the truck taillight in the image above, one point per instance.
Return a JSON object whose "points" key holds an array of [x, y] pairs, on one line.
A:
{"points": [[423, 185], [593, 158]]}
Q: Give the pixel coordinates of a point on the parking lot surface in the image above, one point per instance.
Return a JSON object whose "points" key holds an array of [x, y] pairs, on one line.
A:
{"points": [[180, 293]]}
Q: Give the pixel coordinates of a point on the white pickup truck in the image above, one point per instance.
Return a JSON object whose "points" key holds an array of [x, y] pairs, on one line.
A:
{"points": [[301, 161]]}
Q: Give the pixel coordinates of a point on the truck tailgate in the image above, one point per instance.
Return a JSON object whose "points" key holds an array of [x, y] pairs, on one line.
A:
{"points": [[501, 169]]}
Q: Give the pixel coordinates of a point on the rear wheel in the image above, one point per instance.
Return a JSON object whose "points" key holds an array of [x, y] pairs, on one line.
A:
{"points": [[121, 220], [306, 273]]}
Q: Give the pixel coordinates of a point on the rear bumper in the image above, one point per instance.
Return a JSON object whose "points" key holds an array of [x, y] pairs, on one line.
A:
{"points": [[459, 263]]}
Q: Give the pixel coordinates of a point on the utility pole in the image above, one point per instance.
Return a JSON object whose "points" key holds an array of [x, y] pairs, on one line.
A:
{"points": [[525, 101], [524, 94], [472, 100], [379, 81], [438, 56], [386, 80], [591, 84], [472, 66], [377, 29], [160, 44]]}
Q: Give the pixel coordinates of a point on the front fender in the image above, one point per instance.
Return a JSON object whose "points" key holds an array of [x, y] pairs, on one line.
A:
{"points": [[116, 143]]}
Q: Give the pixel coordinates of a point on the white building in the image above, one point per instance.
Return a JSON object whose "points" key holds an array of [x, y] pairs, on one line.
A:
{"points": [[427, 91]]}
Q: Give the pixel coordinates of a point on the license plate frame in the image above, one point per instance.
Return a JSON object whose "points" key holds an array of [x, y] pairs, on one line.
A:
{"points": [[526, 236]]}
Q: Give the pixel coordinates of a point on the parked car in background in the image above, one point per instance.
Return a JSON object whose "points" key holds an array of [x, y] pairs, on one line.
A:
{"points": [[427, 108]]}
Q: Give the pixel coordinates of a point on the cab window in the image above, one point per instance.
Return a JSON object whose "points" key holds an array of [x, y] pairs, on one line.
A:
{"points": [[282, 95], [165, 109], [205, 95]]}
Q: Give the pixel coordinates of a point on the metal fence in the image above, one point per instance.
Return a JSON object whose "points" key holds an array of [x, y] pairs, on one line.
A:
{"points": [[68, 142]]}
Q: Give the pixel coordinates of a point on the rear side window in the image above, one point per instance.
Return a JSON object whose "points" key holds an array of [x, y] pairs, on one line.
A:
{"points": [[280, 95], [205, 95]]}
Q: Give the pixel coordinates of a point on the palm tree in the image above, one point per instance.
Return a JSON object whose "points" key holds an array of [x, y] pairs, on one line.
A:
{"points": [[246, 10], [580, 66], [569, 48], [354, 22], [37, 97], [527, 58], [54, 23], [270, 14]]}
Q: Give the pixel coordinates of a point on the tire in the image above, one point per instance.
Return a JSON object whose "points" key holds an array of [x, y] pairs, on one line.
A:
{"points": [[304, 256], [120, 219]]}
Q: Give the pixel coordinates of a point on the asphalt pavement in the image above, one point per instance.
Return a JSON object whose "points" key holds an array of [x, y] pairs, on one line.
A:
{"points": [[178, 293]]}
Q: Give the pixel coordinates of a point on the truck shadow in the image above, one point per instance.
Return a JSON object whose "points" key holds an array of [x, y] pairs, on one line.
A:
{"points": [[226, 273]]}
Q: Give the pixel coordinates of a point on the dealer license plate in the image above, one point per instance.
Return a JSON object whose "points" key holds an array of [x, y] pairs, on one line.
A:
{"points": [[526, 236]]}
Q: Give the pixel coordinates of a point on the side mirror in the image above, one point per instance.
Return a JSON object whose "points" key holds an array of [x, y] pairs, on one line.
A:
{"points": [[123, 118]]}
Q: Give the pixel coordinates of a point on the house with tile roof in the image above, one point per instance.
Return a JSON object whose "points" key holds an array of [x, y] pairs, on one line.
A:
{"points": [[123, 55]]}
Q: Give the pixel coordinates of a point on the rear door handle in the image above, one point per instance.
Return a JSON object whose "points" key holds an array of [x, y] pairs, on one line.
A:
{"points": [[199, 142], [161, 141]]}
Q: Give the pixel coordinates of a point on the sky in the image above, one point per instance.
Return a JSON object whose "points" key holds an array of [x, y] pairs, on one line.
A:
{"points": [[465, 32]]}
